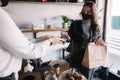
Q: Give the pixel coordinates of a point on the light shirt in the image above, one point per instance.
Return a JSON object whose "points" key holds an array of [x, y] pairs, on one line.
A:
{"points": [[14, 46], [86, 31], [86, 28]]}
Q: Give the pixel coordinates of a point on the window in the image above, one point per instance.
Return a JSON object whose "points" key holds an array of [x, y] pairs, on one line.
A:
{"points": [[115, 15], [113, 35]]}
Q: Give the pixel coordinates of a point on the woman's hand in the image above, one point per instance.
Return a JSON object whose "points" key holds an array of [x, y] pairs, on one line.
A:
{"points": [[65, 35], [99, 42]]}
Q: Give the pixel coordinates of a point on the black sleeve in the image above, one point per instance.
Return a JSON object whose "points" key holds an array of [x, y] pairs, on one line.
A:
{"points": [[97, 34], [75, 30], [71, 30]]}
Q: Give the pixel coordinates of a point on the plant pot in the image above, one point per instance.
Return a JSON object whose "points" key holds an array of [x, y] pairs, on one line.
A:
{"points": [[64, 25]]}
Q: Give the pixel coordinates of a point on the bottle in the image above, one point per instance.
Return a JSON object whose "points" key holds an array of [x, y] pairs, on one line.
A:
{"points": [[47, 76], [28, 67], [55, 77]]}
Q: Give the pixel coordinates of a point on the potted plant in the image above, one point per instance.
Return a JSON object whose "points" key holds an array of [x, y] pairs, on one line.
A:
{"points": [[65, 22]]}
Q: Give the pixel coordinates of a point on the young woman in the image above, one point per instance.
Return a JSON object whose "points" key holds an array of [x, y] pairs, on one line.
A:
{"points": [[84, 31]]}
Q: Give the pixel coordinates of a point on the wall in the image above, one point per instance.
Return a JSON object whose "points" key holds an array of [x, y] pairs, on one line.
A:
{"points": [[25, 13], [101, 6]]}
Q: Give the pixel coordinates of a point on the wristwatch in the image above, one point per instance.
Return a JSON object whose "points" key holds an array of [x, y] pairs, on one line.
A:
{"points": [[50, 42]]}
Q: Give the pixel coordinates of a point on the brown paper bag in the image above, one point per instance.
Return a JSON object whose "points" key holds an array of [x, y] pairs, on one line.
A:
{"points": [[95, 55]]}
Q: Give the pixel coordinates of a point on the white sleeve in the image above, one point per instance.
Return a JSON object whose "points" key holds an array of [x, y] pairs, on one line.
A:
{"points": [[32, 40], [12, 39]]}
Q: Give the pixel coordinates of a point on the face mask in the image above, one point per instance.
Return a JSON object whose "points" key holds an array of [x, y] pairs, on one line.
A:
{"points": [[86, 16], [4, 2]]}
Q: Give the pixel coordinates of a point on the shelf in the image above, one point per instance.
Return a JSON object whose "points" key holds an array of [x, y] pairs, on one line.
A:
{"points": [[44, 30], [52, 3]]}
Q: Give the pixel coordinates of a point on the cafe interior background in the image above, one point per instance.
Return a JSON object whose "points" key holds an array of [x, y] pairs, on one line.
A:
{"points": [[37, 14]]}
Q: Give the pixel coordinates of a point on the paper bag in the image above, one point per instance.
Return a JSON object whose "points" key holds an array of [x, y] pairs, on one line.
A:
{"points": [[95, 55]]}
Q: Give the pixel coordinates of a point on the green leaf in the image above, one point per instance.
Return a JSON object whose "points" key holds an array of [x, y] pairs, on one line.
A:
{"points": [[65, 18]]}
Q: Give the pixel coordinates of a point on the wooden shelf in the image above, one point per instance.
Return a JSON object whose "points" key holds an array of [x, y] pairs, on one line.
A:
{"points": [[44, 30], [52, 3]]}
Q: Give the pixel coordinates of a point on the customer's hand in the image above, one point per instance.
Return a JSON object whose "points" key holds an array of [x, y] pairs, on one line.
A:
{"points": [[56, 40], [99, 42]]}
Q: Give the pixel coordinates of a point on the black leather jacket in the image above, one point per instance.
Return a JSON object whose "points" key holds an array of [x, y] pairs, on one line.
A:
{"points": [[76, 34]]}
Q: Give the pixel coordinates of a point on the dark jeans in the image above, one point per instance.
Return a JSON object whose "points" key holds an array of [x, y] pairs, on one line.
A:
{"points": [[10, 77]]}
